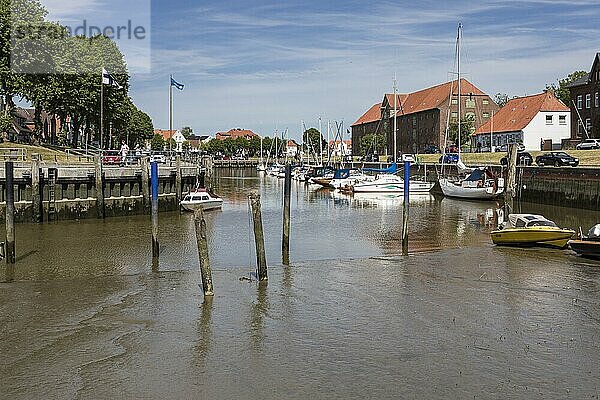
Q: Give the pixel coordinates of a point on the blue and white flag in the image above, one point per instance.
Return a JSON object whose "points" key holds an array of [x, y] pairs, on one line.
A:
{"points": [[178, 85], [107, 79]]}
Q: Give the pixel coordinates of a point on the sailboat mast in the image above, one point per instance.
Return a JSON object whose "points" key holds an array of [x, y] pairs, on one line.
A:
{"points": [[395, 121], [320, 158], [458, 39]]}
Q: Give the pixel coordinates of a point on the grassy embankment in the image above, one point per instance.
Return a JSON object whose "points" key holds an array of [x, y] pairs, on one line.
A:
{"points": [[589, 158]]}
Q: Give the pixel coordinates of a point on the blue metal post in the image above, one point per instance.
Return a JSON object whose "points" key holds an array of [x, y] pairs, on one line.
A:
{"points": [[154, 188], [405, 215]]}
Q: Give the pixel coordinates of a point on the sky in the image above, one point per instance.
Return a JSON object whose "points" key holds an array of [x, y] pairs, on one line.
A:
{"points": [[268, 65]]}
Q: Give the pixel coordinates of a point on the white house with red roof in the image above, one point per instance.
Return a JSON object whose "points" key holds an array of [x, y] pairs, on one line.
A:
{"points": [[292, 149], [236, 133], [175, 135], [530, 120], [340, 148]]}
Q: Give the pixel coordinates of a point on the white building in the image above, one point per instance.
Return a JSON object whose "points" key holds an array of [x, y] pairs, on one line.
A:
{"points": [[291, 149], [175, 135], [532, 120], [340, 148]]}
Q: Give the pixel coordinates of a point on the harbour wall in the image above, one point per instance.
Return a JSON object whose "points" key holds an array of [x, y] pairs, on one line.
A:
{"points": [[70, 192]]}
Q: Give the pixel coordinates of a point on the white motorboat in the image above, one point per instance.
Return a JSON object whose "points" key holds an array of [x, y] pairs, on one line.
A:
{"points": [[390, 183], [201, 198], [347, 178]]}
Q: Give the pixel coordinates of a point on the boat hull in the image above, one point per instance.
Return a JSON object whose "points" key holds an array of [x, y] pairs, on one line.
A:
{"points": [[472, 193], [586, 248], [415, 187], [532, 236], [204, 205]]}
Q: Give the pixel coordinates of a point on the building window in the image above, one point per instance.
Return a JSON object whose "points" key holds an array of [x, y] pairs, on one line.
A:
{"points": [[562, 119], [548, 119], [597, 101], [486, 102], [470, 103], [486, 115], [588, 125], [454, 116], [454, 101], [414, 121], [580, 102], [588, 100]]}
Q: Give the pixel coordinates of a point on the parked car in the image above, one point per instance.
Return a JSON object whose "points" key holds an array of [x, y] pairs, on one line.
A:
{"points": [[557, 158], [504, 147], [431, 149], [589, 144], [370, 158], [111, 158], [523, 158], [159, 158], [449, 158]]}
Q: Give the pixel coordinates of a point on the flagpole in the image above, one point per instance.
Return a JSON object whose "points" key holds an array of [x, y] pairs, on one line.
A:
{"points": [[101, 108], [170, 114]]}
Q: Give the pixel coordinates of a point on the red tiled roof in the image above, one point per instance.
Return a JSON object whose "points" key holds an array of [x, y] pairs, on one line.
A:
{"points": [[235, 133], [519, 112], [291, 143], [165, 133], [432, 97], [372, 115]]}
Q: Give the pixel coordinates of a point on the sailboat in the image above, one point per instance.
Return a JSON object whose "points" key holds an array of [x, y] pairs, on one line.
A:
{"points": [[262, 167], [481, 183], [386, 180]]}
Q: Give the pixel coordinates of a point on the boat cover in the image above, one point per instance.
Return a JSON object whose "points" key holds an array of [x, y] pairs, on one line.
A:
{"points": [[391, 170], [594, 232], [475, 175], [341, 174]]}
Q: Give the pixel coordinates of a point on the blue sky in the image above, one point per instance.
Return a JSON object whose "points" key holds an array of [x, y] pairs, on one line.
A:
{"points": [[266, 65]]}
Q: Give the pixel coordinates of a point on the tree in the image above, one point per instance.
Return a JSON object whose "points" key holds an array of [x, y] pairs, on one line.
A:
{"points": [[467, 127], [311, 138], [501, 99], [157, 143], [215, 146], [186, 131], [372, 144], [186, 146], [139, 127], [561, 90]]}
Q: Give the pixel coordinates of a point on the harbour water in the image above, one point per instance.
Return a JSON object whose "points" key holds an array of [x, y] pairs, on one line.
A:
{"points": [[86, 317]]}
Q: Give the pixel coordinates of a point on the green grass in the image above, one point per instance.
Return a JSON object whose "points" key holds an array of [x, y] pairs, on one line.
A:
{"points": [[48, 155]]}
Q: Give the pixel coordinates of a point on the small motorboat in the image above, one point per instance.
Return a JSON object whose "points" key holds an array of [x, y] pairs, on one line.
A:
{"points": [[588, 246], [531, 230], [201, 198]]}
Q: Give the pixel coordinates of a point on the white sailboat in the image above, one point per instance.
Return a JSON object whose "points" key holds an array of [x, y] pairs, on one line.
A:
{"points": [[480, 184]]}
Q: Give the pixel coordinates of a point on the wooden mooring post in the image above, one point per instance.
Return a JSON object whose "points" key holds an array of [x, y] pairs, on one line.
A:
{"points": [[406, 213], [285, 245], [99, 186], [145, 165], [10, 212], [178, 187], [154, 185], [36, 195], [202, 241], [259, 239], [510, 190]]}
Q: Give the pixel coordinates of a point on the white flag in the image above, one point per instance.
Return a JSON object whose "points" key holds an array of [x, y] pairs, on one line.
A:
{"points": [[107, 79]]}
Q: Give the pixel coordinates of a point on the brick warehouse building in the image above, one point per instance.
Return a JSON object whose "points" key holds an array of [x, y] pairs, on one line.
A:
{"points": [[585, 104], [422, 116]]}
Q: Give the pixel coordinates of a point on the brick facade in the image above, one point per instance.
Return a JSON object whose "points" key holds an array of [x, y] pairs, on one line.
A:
{"points": [[585, 104]]}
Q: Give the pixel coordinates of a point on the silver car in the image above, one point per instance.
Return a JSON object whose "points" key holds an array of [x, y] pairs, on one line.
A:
{"points": [[589, 144]]}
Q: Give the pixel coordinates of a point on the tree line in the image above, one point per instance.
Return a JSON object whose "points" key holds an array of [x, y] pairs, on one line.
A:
{"points": [[41, 63]]}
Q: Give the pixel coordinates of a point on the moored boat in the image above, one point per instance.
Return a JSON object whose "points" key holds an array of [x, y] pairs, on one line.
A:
{"points": [[201, 198], [531, 230], [588, 246]]}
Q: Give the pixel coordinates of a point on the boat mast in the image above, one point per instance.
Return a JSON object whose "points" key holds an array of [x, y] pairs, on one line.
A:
{"points": [[458, 39], [320, 158], [395, 121]]}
